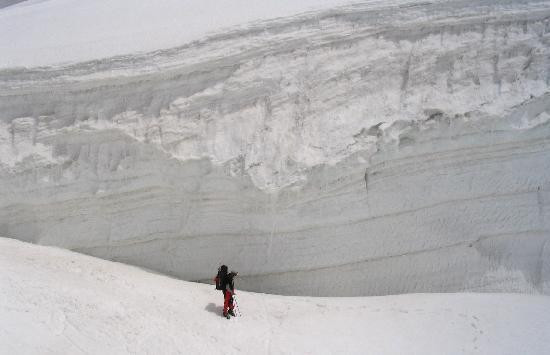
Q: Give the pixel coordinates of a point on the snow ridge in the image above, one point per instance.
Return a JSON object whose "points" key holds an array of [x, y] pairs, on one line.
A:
{"points": [[54, 301]]}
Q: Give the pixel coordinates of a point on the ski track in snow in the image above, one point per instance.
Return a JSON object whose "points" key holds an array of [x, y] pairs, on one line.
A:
{"points": [[56, 301]]}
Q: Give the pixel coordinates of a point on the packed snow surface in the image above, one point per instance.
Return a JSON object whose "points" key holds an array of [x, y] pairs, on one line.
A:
{"points": [[54, 301], [47, 32], [375, 148]]}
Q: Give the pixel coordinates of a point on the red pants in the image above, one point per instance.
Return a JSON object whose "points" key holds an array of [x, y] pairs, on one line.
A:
{"points": [[227, 301]]}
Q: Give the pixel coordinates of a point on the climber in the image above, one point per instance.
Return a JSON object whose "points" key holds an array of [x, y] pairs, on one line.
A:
{"points": [[225, 283]]}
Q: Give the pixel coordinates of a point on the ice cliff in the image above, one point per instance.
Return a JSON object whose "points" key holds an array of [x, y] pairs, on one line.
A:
{"points": [[376, 148]]}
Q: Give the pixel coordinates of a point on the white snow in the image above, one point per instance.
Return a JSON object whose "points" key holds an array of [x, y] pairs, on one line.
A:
{"points": [[54, 31], [404, 145], [54, 301]]}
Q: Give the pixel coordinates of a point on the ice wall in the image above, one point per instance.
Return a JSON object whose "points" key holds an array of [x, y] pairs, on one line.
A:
{"points": [[363, 150]]}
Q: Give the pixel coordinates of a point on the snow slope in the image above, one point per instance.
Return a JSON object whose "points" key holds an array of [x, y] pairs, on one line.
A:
{"points": [[6, 3], [37, 33], [403, 144], [54, 301]]}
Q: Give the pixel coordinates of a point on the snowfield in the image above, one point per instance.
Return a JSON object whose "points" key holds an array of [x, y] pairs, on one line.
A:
{"points": [[54, 301], [40, 33], [376, 148], [319, 147]]}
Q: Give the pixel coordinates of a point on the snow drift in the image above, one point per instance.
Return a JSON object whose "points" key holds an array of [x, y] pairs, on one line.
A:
{"points": [[54, 301], [378, 148]]}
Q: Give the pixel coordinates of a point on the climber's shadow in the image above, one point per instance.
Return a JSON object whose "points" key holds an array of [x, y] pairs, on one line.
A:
{"points": [[211, 307]]}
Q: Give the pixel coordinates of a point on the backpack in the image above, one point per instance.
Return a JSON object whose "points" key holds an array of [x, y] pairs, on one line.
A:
{"points": [[221, 278], [229, 279]]}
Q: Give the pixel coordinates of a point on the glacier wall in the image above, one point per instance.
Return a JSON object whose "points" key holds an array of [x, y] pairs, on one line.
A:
{"points": [[364, 150]]}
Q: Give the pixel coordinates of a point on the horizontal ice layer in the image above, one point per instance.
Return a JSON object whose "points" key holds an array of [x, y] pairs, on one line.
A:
{"points": [[350, 152]]}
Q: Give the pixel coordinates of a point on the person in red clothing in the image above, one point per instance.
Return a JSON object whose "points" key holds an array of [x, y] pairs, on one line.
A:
{"points": [[224, 282], [228, 295]]}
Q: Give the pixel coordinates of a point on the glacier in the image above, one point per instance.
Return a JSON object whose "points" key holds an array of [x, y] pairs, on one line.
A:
{"points": [[368, 149]]}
